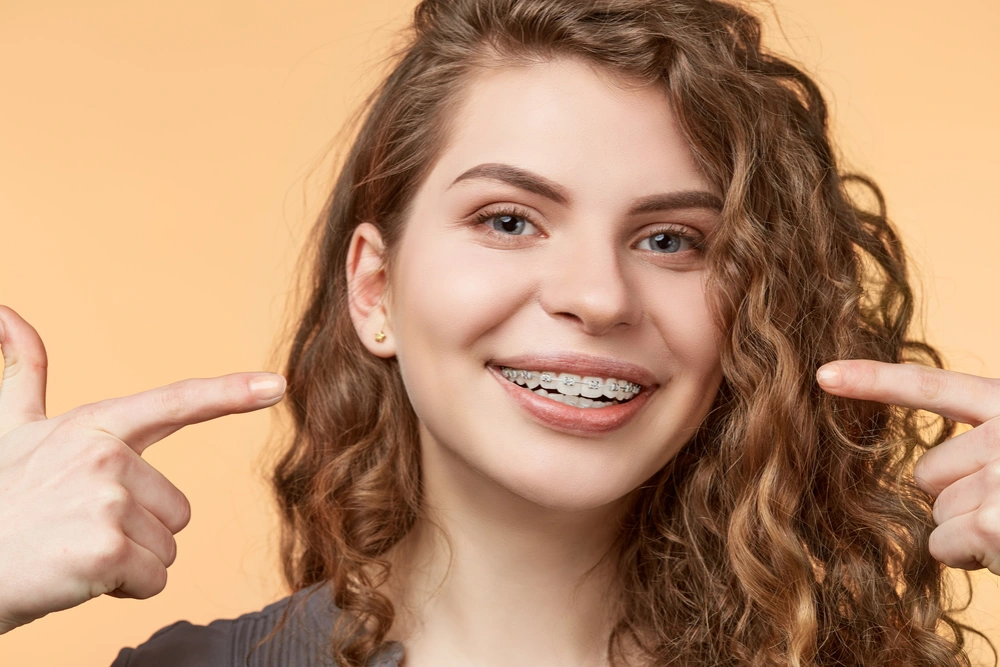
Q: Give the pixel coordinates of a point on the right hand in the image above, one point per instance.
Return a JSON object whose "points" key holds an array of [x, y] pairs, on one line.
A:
{"points": [[81, 513]]}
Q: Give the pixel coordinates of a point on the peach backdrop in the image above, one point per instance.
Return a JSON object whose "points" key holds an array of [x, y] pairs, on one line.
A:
{"points": [[160, 163]]}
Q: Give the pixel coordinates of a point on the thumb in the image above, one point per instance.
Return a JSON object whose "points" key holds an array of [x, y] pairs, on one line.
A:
{"points": [[25, 368]]}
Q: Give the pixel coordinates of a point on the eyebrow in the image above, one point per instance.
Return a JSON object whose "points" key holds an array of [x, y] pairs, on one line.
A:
{"points": [[539, 185]]}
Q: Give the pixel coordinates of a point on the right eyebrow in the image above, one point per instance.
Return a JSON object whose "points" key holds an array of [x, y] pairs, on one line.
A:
{"points": [[539, 185]]}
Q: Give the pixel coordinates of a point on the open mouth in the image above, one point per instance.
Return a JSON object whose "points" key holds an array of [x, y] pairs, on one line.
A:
{"points": [[575, 390]]}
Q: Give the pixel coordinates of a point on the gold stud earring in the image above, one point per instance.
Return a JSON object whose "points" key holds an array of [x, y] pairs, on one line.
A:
{"points": [[379, 337]]}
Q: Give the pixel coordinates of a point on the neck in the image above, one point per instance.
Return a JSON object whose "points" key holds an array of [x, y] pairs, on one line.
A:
{"points": [[520, 582]]}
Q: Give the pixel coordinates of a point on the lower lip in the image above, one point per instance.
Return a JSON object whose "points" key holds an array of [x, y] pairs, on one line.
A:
{"points": [[569, 418]]}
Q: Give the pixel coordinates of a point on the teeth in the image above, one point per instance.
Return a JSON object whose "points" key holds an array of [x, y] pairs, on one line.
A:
{"points": [[548, 380], [591, 387], [577, 401], [564, 386], [569, 384]]}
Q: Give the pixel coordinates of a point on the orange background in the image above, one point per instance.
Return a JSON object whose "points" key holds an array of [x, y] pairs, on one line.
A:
{"points": [[160, 163]]}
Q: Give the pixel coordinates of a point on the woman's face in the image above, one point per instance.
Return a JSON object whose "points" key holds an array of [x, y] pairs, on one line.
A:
{"points": [[557, 234]]}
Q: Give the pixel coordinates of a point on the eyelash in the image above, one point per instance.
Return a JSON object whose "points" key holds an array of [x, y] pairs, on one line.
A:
{"points": [[697, 242]]}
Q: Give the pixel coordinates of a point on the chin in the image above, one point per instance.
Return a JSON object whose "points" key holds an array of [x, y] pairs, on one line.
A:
{"points": [[569, 487], [571, 500]]}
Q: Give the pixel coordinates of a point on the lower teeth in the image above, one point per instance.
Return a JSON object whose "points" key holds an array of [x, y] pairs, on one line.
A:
{"points": [[576, 401]]}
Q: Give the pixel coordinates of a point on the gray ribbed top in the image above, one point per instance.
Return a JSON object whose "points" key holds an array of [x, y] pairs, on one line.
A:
{"points": [[302, 642]]}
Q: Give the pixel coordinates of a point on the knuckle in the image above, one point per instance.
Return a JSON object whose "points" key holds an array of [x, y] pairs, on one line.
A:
{"points": [[171, 403], [108, 455], [942, 550], [110, 553], [987, 521], [183, 514], [923, 477], [84, 415], [938, 511], [991, 474], [930, 385], [114, 502], [153, 582], [857, 377], [230, 396], [17, 363], [238, 393], [991, 431], [159, 581], [934, 545], [171, 551]]}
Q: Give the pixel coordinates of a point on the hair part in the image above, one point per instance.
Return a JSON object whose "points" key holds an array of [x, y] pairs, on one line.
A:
{"points": [[788, 531]]}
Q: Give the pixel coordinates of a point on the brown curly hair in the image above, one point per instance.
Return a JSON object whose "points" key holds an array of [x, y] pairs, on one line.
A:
{"points": [[788, 531]]}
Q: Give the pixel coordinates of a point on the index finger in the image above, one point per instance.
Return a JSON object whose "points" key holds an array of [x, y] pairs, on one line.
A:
{"points": [[141, 419], [966, 398]]}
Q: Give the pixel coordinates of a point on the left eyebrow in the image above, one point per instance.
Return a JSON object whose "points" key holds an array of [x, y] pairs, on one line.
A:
{"points": [[539, 185]]}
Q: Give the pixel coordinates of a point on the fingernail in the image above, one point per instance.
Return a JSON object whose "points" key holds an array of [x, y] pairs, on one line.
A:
{"points": [[267, 387], [829, 376], [3, 332]]}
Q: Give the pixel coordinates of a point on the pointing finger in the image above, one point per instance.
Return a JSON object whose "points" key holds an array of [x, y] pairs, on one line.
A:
{"points": [[147, 417], [22, 392], [959, 396]]}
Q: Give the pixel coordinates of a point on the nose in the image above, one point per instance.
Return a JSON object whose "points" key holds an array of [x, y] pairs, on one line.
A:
{"points": [[585, 283]]}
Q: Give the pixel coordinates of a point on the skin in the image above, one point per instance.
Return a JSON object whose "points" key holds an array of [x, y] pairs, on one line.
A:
{"points": [[527, 510]]}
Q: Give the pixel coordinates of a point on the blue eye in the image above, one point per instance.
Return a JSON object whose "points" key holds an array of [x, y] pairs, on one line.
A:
{"points": [[509, 222], [669, 242]]}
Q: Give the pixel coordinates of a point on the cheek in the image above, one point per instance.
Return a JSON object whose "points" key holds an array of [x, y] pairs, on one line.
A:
{"points": [[451, 294], [682, 317]]}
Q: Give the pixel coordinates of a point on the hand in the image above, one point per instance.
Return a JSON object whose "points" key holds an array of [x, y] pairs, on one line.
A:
{"points": [[963, 473], [81, 513]]}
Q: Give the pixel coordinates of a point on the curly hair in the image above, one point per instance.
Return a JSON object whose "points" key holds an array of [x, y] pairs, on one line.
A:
{"points": [[788, 530]]}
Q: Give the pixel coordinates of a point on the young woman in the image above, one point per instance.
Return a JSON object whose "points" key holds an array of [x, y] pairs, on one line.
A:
{"points": [[555, 390]]}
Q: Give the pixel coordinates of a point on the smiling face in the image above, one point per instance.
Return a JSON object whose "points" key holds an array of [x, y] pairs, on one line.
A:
{"points": [[558, 232]]}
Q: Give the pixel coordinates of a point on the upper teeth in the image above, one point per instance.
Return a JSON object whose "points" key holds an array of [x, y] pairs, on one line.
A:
{"points": [[573, 385]]}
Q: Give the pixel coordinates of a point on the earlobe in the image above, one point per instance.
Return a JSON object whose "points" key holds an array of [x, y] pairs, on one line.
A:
{"points": [[366, 290]]}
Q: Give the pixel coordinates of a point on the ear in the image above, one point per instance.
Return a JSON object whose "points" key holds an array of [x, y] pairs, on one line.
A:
{"points": [[366, 290]]}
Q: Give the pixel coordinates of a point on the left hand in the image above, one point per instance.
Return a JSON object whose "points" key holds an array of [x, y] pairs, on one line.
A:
{"points": [[963, 473]]}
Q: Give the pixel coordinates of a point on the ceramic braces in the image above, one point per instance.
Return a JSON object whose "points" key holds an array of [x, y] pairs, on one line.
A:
{"points": [[513, 374]]}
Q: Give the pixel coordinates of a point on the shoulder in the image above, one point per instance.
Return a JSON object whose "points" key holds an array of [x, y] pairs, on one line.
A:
{"points": [[179, 644], [303, 640]]}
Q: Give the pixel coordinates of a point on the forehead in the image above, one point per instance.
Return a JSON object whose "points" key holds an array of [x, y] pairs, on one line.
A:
{"points": [[575, 124]]}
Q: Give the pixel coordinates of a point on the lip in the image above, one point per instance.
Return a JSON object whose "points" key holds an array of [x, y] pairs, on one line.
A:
{"points": [[571, 419], [581, 364]]}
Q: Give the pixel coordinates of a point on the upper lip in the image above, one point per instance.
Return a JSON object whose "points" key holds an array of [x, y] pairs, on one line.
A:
{"points": [[583, 364]]}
